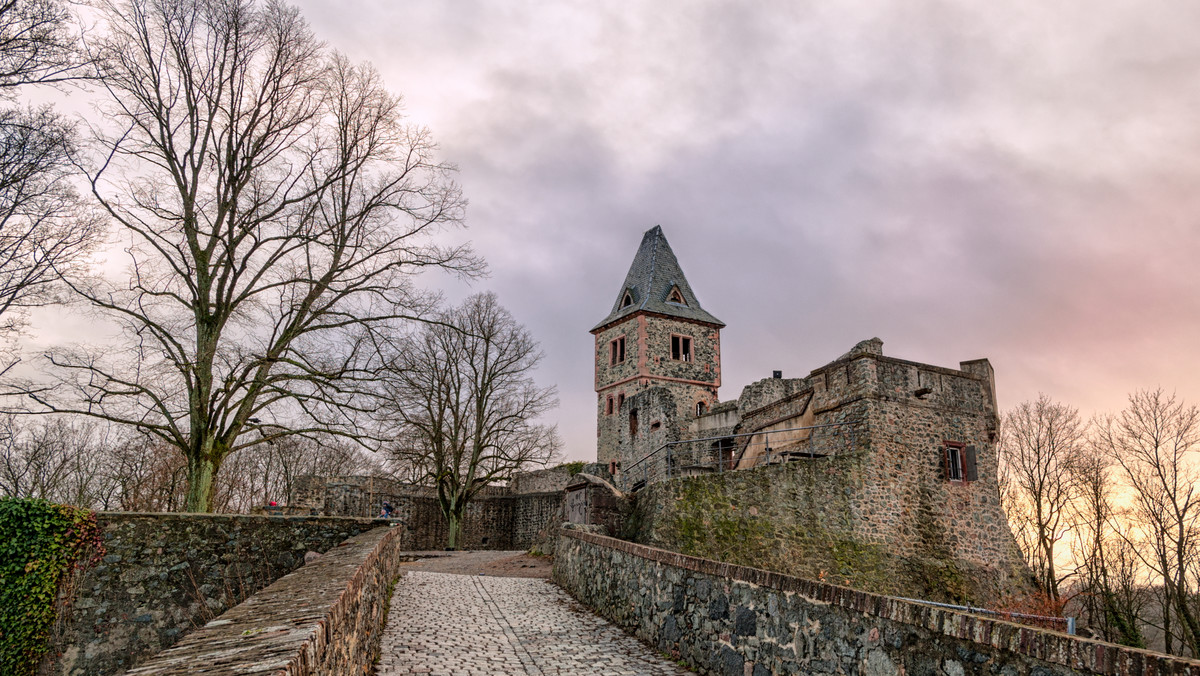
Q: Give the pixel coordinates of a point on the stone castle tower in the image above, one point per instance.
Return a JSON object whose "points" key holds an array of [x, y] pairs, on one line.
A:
{"points": [[658, 355]]}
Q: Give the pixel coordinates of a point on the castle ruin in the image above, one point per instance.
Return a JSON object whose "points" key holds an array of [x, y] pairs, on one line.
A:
{"points": [[892, 458]]}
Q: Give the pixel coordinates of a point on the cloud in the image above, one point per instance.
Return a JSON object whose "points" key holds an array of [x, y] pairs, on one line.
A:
{"points": [[1011, 180]]}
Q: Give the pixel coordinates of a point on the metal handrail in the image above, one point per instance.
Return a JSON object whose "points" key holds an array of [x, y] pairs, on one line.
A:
{"points": [[1068, 621]]}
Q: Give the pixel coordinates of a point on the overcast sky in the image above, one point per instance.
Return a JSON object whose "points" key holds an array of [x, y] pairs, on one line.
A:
{"points": [[1017, 181]]}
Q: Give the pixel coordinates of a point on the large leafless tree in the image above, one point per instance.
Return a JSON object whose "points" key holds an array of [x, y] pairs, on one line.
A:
{"points": [[272, 202], [467, 405], [1042, 444]]}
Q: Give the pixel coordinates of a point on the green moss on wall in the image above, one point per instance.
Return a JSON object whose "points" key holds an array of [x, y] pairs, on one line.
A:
{"points": [[796, 519]]}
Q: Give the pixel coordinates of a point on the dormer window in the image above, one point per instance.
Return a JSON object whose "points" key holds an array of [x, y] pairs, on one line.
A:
{"points": [[626, 300], [676, 297]]}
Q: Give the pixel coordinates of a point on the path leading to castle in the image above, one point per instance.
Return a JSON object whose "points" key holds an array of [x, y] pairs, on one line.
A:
{"points": [[454, 623]]}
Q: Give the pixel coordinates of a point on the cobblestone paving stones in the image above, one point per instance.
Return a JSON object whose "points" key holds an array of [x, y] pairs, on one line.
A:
{"points": [[445, 624]]}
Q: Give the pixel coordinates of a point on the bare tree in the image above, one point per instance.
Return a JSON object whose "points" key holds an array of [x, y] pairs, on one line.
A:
{"points": [[467, 404], [37, 45], [273, 203], [45, 230], [260, 474], [67, 460], [1152, 441], [151, 476], [1109, 573], [1041, 445]]}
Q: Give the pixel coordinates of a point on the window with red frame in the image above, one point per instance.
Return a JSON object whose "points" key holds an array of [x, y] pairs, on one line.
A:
{"points": [[616, 351], [960, 462], [681, 347]]}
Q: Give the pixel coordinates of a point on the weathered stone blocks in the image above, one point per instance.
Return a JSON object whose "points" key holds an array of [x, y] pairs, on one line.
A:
{"points": [[808, 627], [167, 574]]}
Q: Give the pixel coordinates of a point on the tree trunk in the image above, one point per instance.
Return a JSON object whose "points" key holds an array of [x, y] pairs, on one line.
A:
{"points": [[201, 472], [455, 520]]}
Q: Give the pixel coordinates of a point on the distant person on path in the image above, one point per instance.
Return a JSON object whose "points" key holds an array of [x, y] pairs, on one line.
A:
{"points": [[387, 511]]}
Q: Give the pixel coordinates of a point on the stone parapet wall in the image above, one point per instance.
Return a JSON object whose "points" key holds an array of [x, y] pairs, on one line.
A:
{"points": [[164, 575], [539, 481], [726, 619], [325, 618]]}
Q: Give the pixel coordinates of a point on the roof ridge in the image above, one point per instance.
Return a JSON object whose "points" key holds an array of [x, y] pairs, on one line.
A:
{"points": [[653, 263]]}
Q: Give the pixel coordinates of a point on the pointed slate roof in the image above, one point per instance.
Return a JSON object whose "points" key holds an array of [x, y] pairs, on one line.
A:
{"points": [[652, 277]]}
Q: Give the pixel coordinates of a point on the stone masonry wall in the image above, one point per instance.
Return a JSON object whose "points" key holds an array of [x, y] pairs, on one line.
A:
{"points": [[494, 520], [532, 514], [879, 515], [880, 512], [648, 364], [325, 618], [539, 481], [806, 518], [738, 621], [607, 375], [166, 574]]}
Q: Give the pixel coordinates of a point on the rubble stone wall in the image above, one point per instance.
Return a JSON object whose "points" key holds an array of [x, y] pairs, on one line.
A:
{"points": [[725, 619], [325, 618], [496, 519], [165, 575], [878, 512], [539, 481]]}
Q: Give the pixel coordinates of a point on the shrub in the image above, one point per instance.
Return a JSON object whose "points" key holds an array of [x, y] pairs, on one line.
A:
{"points": [[572, 468], [42, 546]]}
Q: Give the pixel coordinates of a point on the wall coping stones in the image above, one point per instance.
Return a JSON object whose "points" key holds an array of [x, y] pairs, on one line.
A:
{"points": [[325, 617], [209, 516], [1073, 652]]}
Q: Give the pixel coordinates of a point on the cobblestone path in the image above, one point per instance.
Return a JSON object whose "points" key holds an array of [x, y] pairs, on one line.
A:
{"points": [[448, 624]]}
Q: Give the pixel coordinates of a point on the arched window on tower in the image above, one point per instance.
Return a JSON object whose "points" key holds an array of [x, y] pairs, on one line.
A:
{"points": [[626, 300], [700, 409], [633, 423]]}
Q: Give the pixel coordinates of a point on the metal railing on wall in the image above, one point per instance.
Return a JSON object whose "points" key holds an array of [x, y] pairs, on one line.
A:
{"points": [[692, 457], [1066, 624]]}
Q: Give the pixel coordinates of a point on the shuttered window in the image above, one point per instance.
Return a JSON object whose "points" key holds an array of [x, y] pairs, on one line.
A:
{"points": [[960, 462]]}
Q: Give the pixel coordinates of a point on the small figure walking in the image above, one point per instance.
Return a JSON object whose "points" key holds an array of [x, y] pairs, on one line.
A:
{"points": [[386, 513]]}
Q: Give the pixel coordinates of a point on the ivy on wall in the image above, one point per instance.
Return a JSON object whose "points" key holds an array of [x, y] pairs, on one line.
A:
{"points": [[42, 545]]}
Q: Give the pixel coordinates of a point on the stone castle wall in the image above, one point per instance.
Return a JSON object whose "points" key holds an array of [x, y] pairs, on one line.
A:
{"points": [[497, 519], [539, 481], [164, 575], [325, 618], [723, 619], [878, 512]]}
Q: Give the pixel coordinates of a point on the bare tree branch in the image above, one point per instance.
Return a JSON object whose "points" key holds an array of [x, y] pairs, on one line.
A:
{"points": [[273, 202], [463, 394]]}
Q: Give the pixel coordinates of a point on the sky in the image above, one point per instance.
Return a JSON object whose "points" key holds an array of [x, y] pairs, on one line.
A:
{"points": [[1016, 181]]}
